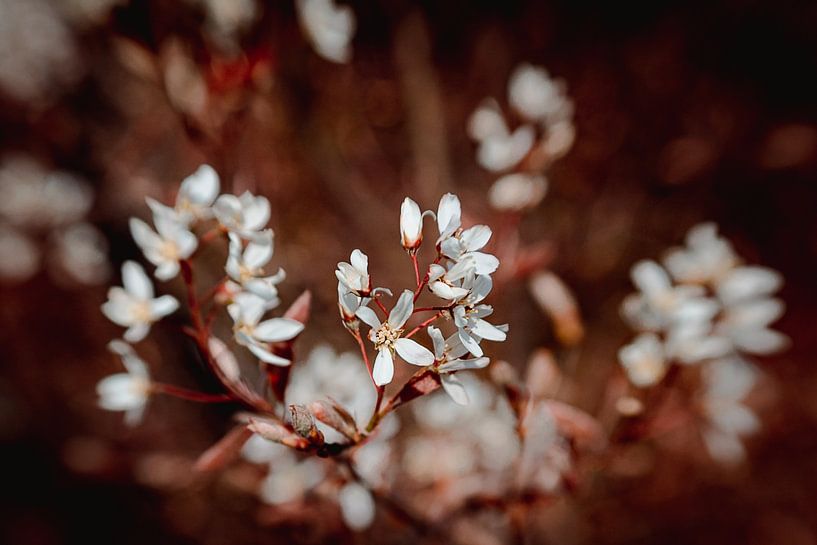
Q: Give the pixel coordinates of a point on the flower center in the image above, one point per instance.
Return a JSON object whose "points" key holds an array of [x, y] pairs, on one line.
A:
{"points": [[386, 335], [169, 250], [141, 312]]}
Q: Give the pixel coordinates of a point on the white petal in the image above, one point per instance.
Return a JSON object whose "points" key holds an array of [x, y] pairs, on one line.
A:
{"points": [[136, 281], [449, 293], [201, 187], [454, 387], [164, 305], [484, 263], [476, 237], [258, 253], [469, 343], [136, 332], [368, 316], [461, 365], [166, 270], [360, 261], [448, 215], [277, 330], [383, 371], [760, 341], [402, 309], [264, 354], [746, 282], [488, 331], [650, 278], [438, 340], [143, 235], [413, 352]]}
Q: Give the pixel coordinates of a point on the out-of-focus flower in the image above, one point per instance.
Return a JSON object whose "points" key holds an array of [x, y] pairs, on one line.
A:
{"points": [[340, 377], [246, 311], [34, 198], [38, 53], [195, 198], [545, 454], [517, 191], [165, 247], [134, 306], [726, 383], [644, 360], [499, 147], [387, 340], [129, 391], [708, 306], [357, 506], [227, 18], [245, 216], [329, 27], [472, 327], [81, 252], [290, 479], [19, 256], [536, 96], [411, 225]]}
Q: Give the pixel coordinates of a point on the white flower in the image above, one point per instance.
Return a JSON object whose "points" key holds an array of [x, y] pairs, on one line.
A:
{"points": [[81, 252], [329, 27], [349, 303], [545, 454], [411, 224], [246, 312], [387, 340], [660, 304], [746, 325], [197, 194], [705, 259], [354, 276], [245, 265], [472, 328], [517, 191], [129, 391], [356, 506], [499, 148], [245, 215], [747, 283], [167, 245], [134, 306], [449, 362], [536, 96], [289, 479], [644, 360], [727, 382]]}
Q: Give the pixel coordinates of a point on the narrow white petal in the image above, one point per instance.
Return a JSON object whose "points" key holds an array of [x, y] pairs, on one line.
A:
{"points": [[455, 389], [488, 331], [413, 352], [462, 365], [402, 310], [277, 330], [162, 306], [136, 332], [136, 281], [383, 371], [476, 237], [201, 187], [438, 340], [264, 354], [448, 215], [368, 316]]}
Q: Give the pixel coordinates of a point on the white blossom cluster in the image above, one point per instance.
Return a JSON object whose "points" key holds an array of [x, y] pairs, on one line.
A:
{"points": [[42, 222], [702, 304], [328, 27], [460, 276], [250, 292], [545, 134]]}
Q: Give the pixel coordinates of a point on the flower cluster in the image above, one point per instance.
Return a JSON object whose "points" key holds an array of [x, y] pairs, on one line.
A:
{"points": [[41, 208], [177, 232], [460, 276], [703, 304], [545, 134]]}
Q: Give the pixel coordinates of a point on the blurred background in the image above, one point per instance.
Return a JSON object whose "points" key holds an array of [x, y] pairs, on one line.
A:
{"points": [[684, 111]]}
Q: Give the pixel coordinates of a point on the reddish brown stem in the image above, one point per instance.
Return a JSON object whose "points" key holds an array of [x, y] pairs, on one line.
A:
{"points": [[363, 353], [189, 395], [416, 269], [424, 324]]}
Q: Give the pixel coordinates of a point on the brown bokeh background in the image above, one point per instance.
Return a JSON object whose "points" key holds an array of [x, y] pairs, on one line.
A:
{"points": [[685, 111]]}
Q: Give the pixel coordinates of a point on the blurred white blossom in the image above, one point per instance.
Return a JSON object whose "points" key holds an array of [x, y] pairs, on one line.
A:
{"points": [[329, 27], [128, 392]]}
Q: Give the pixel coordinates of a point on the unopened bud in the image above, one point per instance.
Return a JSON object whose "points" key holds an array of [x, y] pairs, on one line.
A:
{"points": [[304, 424], [411, 225], [273, 431], [336, 417]]}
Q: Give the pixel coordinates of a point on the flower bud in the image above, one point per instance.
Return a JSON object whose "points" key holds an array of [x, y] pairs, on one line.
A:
{"points": [[273, 431], [336, 417], [304, 424], [411, 225]]}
